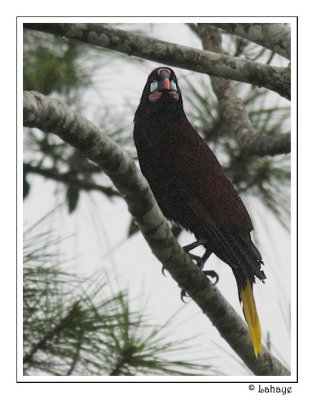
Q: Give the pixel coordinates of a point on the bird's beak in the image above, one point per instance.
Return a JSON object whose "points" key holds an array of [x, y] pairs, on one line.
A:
{"points": [[166, 84], [164, 80]]}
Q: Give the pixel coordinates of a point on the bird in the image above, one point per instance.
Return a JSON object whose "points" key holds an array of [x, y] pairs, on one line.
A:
{"points": [[192, 190]]}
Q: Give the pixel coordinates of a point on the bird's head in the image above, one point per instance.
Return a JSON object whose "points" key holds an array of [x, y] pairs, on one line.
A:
{"points": [[162, 86], [161, 96]]}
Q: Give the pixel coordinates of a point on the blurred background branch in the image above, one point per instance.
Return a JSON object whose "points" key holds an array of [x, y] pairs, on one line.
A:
{"points": [[275, 37], [228, 67], [232, 108]]}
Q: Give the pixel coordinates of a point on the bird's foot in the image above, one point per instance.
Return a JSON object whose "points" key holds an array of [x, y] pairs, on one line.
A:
{"points": [[200, 261], [199, 242], [213, 277]]}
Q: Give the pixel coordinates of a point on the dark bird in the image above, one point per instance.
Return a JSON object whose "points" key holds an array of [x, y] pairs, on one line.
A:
{"points": [[192, 190]]}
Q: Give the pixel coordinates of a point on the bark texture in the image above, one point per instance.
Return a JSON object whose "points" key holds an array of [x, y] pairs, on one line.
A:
{"points": [[211, 63], [233, 110], [275, 37], [52, 116]]}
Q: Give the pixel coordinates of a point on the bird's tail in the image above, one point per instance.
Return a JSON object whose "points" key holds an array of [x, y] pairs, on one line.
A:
{"points": [[250, 312]]}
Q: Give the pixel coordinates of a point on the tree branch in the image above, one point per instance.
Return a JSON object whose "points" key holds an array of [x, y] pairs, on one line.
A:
{"points": [[69, 178], [52, 116], [263, 145], [233, 110], [275, 37], [273, 78]]}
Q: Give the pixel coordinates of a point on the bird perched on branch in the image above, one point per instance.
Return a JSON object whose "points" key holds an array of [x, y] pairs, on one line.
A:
{"points": [[191, 188]]}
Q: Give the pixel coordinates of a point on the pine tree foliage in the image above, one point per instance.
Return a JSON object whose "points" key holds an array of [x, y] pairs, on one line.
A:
{"points": [[76, 326]]}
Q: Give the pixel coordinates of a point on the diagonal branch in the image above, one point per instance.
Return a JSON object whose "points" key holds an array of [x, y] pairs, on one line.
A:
{"points": [[273, 78], [275, 37], [233, 110], [52, 116]]}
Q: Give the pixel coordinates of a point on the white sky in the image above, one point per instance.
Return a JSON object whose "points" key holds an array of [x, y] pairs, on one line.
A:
{"points": [[100, 228]]}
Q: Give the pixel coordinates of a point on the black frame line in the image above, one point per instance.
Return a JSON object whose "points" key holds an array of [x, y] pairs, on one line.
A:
{"points": [[17, 182]]}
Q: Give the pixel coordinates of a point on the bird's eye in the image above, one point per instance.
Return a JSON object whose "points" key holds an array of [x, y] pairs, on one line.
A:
{"points": [[173, 86], [154, 86]]}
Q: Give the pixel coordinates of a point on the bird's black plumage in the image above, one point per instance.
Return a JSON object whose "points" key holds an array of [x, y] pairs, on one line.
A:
{"points": [[191, 188]]}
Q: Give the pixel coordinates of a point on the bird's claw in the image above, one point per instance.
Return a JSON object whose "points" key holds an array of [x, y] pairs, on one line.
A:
{"points": [[197, 259], [200, 261], [163, 269], [212, 274], [183, 294]]}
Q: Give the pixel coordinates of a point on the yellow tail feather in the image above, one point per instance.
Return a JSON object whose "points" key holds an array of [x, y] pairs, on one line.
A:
{"points": [[251, 316]]}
